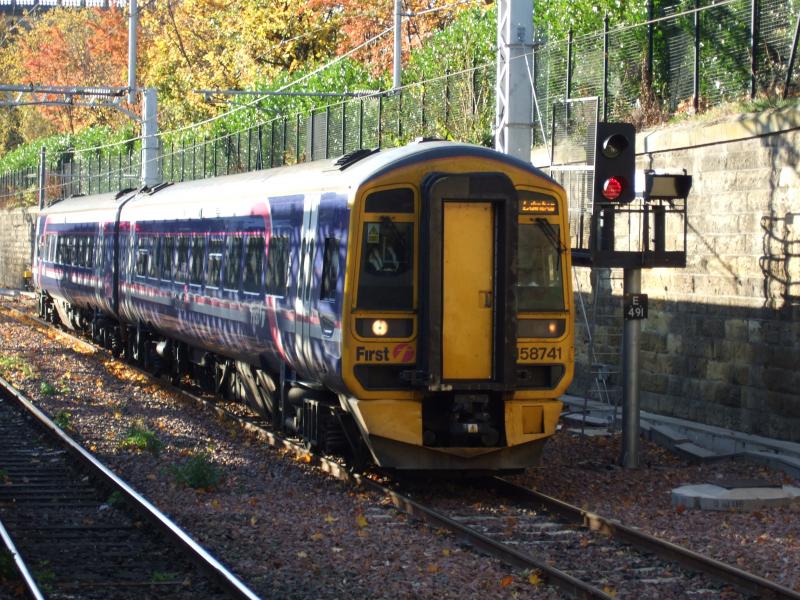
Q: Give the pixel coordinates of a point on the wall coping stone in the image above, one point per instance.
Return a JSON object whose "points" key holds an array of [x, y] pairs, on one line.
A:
{"points": [[733, 128]]}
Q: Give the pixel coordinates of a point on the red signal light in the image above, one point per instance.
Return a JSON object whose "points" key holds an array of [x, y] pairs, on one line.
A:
{"points": [[612, 188]]}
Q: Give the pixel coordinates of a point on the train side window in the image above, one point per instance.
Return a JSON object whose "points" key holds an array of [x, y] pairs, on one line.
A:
{"points": [[330, 269], [80, 247], [254, 265], [167, 252], [233, 263], [277, 265], [90, 251], [143, 257], [71, 250], [155, 257], [216, 245], [197, 255], [182, 270]]}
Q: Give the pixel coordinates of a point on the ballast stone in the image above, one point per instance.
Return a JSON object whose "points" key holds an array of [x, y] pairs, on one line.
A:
{"points": [[707, 496]]}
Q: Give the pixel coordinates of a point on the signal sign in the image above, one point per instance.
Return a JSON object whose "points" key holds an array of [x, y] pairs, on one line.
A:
{"points": [[634, 306]]}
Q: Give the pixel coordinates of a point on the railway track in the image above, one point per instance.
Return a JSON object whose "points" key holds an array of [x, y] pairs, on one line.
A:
{"points": [[77, 531], [578, 553]]}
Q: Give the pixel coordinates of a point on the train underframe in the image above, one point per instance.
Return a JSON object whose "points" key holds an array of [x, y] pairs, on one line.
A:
{"points": [[291, 405]]}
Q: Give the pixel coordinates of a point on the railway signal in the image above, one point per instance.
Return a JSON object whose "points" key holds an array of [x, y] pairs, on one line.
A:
{"points": [[614, 163]]}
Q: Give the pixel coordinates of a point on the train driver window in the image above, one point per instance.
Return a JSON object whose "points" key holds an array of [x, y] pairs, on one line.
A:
{"points": [[539, 281], [254, 264], [387, 253], [330, 269], [143, 256]]}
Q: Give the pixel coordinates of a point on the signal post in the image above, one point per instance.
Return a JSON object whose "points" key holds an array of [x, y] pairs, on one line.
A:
{"points": [[643, 224]]}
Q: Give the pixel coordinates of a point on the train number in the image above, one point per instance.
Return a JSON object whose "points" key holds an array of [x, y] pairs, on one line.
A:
{"points": [[538, 353]]}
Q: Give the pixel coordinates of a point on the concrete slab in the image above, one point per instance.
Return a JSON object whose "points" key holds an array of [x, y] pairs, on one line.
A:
{"points": [[706, 496], [694, 452]]}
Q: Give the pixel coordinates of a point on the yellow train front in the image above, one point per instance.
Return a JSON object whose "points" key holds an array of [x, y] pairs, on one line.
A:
{"points": [[457, 333]]}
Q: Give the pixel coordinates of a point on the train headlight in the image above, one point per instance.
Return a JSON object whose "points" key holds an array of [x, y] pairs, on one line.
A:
{"points": [[552, 328], [380, 327]]}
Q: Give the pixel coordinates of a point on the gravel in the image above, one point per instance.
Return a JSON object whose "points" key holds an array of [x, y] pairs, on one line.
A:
{"points": [[289, 531]]}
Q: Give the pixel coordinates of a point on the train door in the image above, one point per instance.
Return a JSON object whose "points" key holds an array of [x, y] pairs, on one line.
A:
{"points": [[468, 306], [468, 290], [304, 313]]}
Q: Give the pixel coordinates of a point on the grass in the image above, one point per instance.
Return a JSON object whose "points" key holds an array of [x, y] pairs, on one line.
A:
{"points": [[140, 438], [198, 473]]}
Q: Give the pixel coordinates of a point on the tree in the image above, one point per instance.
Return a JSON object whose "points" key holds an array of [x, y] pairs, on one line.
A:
{"points": [[226, 44], [360, 20], [75, 48]]}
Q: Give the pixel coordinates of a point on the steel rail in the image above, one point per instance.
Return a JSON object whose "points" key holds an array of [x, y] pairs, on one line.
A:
{"points": [[30, 584], [229, 582], [742, 580]]}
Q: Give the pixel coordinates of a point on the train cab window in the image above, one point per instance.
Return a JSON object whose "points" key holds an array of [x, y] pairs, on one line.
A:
{"points": [[198, 251], [182, 270], [167, 252], [386, 280], [277, 265], [330, 269], [216, 245], [539, 282], [254, 264], [233, 263]]}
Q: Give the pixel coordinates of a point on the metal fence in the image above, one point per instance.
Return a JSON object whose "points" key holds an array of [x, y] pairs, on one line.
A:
{"points": [[691, 55]]}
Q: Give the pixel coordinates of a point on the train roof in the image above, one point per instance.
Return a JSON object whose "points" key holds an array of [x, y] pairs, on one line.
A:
{"points": [[339, 174]]}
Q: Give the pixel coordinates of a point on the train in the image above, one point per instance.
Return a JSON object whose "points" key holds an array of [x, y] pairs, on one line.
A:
{"points": [[410, 307]]}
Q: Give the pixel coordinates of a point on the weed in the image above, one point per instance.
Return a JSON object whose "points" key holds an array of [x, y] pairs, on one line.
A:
{"points": [[139, 437], [198, 473], [116, 499], [15, 365], [8, 570], [163, 576], [4, 478], [43, 574], [62, 419], [47, 389]]}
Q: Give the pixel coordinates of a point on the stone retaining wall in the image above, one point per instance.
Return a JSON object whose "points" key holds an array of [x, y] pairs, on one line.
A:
{"points": [[16, 235], [722, 341]]}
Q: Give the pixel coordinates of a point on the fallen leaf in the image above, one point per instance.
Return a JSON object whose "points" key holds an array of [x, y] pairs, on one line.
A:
{"points": [[361, 520], [302, 555], [680, 509], [253, 521], [534, 578], [610, 591], [433, 568], [506, 581], [446, 552], [215, 503], [317, 537], [330, 519]]}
